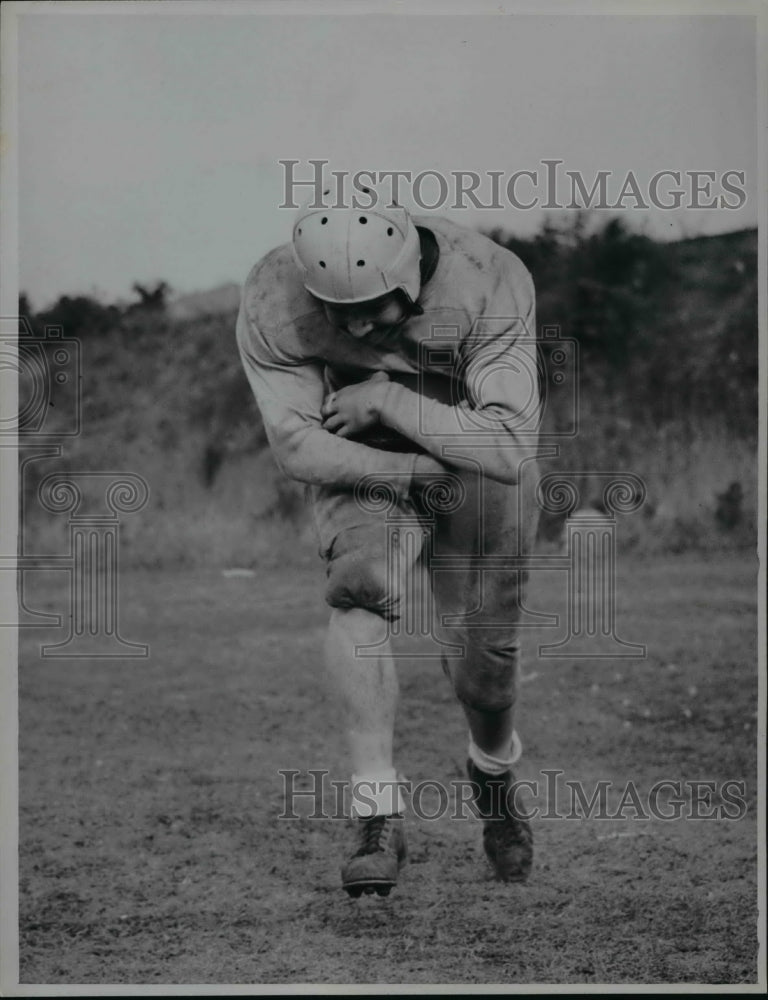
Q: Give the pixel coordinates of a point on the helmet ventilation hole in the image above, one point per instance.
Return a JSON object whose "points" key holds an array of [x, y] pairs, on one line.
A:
{"points": [[361, 263], [322, 263], [324, 220], [390, 230], [363, 220]]}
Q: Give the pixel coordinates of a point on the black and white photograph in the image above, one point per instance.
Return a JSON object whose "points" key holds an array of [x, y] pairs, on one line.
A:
{"points": [[383, 550]]}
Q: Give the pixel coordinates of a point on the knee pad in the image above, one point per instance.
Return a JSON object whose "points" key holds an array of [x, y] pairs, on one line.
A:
{"points": [[358, 581], [485, 678]]}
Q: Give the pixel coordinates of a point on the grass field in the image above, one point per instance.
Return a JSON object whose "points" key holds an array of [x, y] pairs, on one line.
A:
{"points": [[151, 852]]}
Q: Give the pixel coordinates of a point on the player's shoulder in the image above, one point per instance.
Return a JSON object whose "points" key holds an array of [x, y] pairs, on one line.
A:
{"points": [[273, 293], [474, 248], [476, 255]]}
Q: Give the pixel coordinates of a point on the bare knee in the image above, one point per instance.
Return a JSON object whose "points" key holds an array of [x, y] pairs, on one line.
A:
{"points": [[357, 627]]}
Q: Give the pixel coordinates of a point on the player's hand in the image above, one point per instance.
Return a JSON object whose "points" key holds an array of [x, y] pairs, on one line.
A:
{"points": [[355, 408]]}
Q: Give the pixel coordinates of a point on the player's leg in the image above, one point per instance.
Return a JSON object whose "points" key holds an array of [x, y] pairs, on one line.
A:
{"points": [[478, 600], [495, 524], [366, 565], [364, 690]]}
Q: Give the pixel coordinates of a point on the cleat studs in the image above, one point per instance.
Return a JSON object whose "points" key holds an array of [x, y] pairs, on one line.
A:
{"points": [[356, 891]]}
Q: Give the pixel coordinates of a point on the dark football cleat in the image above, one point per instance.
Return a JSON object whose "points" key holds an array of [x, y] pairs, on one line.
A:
{"points": [[507, 837], [379, 856]]}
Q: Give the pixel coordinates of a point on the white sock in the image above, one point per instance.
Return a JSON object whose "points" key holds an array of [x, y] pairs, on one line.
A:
{"points": [[495, 765], [377, 794]]}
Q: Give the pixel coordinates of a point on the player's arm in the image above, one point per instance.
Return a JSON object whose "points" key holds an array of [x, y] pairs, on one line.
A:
{"points": [[290, 397], [494, 429]]}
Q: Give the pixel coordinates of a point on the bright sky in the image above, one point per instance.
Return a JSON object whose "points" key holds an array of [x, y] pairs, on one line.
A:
{"points": [[149, 144]]}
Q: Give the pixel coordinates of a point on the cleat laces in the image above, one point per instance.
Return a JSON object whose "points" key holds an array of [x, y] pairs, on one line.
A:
{"points": [[374, 835]]}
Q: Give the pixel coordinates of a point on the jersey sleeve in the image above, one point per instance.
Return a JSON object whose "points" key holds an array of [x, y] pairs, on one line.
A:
{"points": [[494, 428], [289, 393]]}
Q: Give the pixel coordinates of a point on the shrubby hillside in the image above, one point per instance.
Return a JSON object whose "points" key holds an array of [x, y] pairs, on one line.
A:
{"points": [[667, 337]]}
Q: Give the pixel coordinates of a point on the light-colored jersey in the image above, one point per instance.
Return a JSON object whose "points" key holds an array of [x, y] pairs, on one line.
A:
{"points": [[476, 335]]}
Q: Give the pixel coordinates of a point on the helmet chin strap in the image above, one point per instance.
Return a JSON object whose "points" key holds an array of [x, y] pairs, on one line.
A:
{"points": [[413, 307], [430, 255]]}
